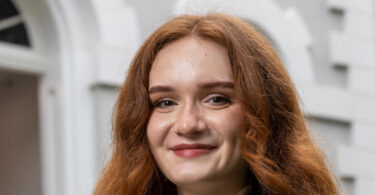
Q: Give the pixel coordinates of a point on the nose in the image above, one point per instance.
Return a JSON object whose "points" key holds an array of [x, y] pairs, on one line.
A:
{"points": [[190, 122]]}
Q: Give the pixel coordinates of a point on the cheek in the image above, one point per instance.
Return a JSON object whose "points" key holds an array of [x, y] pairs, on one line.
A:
{"points": [[228, 123], [157, 129]]}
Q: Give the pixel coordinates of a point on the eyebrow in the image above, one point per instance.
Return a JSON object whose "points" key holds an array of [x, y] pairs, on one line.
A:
{"points": [[160, 88], [206, 85], [215, 84]]}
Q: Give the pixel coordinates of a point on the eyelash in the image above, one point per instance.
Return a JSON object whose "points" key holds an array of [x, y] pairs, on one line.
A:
{"points": [[224, 100], [158, 103], [163, 103]]}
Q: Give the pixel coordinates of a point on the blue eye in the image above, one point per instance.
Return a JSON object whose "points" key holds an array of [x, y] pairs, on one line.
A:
{"points": [[164, 103], [219, 100]]}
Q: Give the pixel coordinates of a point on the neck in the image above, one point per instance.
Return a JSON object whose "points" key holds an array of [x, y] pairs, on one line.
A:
{"points": [[228, 187]]}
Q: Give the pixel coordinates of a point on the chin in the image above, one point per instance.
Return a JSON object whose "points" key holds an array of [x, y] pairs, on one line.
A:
{"points": [[184, 177]]}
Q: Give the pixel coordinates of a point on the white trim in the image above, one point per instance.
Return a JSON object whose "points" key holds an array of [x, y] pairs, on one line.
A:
{"points": [[23, 59], [9, 22], [48, 138], [48, 32]]}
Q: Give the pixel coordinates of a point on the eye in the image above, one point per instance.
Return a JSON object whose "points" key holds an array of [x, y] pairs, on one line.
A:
{"points": [[164, 103], [219, 100]]}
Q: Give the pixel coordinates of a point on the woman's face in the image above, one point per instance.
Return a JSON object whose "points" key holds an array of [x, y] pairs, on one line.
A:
{"points": [[194, 127]]}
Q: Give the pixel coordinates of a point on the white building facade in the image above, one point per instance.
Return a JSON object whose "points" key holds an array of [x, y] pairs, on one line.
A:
{"points": [[58, 86]]}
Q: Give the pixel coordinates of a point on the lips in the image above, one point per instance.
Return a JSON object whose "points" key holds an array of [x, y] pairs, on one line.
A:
{"points": [[192, 150]]}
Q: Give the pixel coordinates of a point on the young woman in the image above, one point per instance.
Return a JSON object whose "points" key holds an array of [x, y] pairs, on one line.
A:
{"points": [[208, 108]]}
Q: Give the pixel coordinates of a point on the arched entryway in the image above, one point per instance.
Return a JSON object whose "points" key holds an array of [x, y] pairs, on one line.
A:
{"points": [[19, 112], [33, 122]]}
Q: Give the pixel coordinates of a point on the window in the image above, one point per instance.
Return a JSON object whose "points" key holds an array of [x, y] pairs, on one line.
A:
{"points": [[12, 28]]}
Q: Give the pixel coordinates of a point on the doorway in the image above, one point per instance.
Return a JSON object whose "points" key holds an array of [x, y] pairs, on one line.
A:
{"points": [[20, 164]]}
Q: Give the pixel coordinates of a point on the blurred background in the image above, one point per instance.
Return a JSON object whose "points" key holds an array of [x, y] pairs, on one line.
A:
{"points": [[62, 62]]}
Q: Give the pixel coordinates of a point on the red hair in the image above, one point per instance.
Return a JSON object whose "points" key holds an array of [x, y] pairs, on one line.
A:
{"points": [[276, 144]]}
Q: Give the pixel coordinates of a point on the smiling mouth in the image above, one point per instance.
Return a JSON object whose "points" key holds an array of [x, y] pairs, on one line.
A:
{"points": [[192, 150]]}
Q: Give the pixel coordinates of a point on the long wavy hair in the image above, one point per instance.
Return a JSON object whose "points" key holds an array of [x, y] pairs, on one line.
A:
{"points": [[277, 146]]}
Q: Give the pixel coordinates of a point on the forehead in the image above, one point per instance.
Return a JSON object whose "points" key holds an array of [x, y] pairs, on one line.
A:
{"points": [[190, 60]]}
